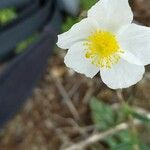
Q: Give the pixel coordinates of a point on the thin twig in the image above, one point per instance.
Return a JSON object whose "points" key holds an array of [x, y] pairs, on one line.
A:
{"points": [[73, 123], [87, 96], [97, 137], [59, 132], [101, 136], [67, 100], [120, 96], [74, 88]]}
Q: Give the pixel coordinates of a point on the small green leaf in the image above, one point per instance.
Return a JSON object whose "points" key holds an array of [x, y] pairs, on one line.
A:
{"points": [[103, 116], [123, 146], [140, 117], [120, 139], [130, 111], [144, 146]]}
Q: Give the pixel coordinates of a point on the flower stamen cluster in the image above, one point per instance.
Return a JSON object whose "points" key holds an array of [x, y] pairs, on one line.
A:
{"points": [[103, 49]]}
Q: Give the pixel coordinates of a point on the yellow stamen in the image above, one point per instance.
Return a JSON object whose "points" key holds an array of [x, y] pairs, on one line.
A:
{"points": [[103, 49]]}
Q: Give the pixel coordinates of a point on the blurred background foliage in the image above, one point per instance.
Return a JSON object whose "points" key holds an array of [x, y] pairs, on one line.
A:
{"points": [[102, 115], [85, 5], [6, 15]]}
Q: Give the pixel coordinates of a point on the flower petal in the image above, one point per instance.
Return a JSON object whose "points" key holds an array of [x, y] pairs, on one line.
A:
{"points": [[78, 32], [129, 57], [76, 60], [136, 39], [122, 75], [112, 13]]}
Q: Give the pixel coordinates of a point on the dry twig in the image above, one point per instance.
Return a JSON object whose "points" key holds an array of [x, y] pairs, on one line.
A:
{"points": [[101, 136], [97, 137], [67, 100]]}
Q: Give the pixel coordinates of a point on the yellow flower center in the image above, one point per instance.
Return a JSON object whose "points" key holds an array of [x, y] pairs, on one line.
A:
{"points": [[103, 49]]}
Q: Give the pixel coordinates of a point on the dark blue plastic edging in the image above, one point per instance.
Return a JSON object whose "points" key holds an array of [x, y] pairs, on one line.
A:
{"points": [[27, 11], [23, 73], [14, 35], [14, 3]]}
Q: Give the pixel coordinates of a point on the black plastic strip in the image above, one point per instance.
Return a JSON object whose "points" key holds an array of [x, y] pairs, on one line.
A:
{"points": [[10, 38], [14, 3], [22, 15], [22, 75]]}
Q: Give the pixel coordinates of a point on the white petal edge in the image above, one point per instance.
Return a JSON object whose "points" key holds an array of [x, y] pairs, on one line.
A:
{"points": [[122, 75], [136, 39], [79, 32], [112, 13], [75, 59]]}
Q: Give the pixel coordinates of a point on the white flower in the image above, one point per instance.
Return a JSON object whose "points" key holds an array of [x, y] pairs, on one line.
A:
{"points": [[108, 42]]}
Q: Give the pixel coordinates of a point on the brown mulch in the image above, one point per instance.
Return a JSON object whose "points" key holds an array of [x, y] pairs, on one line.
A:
{"points": [[47, 122]]}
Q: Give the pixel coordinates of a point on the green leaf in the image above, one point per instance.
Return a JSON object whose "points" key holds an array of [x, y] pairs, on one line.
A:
{"points": [[125, 136], [144, 146], [130, 111], [129, 146], [119, 139], [111, 141], [102, 115], [140, 117], [123, 146]]}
